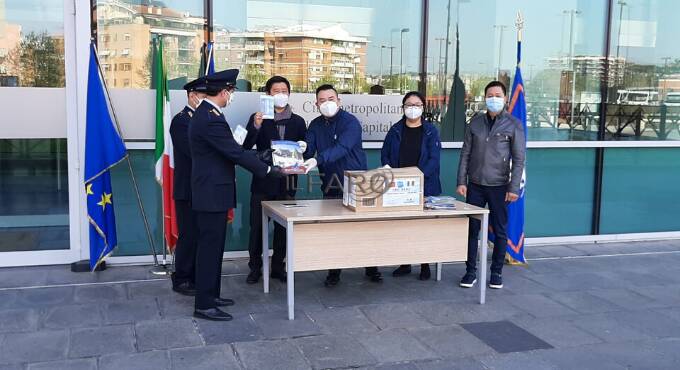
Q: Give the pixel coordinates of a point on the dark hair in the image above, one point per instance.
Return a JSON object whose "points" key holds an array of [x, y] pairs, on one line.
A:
{"points": [[493, 84], [325, 87], [275, 80], [413, 93], [213, 92]]}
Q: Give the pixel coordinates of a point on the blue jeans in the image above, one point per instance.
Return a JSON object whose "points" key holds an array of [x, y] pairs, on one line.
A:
{"points": [[494, 196]]}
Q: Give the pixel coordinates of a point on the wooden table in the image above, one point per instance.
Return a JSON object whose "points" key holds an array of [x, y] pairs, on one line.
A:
{"points": [[323, 234]]}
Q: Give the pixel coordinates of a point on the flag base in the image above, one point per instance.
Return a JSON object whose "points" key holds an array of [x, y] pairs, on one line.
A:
{"points": [[84, 266], [163, 270]]}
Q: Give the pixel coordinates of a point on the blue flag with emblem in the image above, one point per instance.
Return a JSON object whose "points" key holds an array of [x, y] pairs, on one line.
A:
{"points": [[518, 108], [104, 148]]}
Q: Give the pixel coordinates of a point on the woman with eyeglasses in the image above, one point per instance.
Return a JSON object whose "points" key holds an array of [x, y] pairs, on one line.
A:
{"points": [[414, 142]]}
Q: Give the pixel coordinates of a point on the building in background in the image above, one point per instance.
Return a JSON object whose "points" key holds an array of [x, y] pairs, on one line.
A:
{"points": [[307, 55], [125, 32]]}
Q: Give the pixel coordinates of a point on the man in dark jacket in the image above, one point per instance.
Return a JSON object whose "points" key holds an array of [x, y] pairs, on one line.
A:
{"points": [[335, 138], [489, 172], [184, 277], [285, 125], [214, 154]]}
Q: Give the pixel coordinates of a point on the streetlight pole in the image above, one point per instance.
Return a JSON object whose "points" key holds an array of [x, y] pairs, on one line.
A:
{"points": [[618, 37], [501, 27], [382, 47], [439, 62], [401, 58], [572, 13]]}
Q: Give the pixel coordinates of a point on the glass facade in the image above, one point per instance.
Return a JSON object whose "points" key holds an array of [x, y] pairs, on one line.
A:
{"points": [[589, 80], [33, 194], [31, 43], [34, 197], [352, 44], [644, 101], [125, 32]]}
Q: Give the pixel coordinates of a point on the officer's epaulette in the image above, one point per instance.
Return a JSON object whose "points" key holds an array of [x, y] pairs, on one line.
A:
{"points": [[215, 112]]}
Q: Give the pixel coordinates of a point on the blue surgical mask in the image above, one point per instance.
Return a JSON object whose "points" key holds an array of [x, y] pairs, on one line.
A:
{"points": [[495, 104]]}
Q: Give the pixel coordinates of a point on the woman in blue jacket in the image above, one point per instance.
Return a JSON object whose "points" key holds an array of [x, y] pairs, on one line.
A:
{"points": [[411, 142]]}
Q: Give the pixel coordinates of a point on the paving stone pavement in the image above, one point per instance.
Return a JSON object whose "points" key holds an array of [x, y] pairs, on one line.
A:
{"points": [[599, 306]]}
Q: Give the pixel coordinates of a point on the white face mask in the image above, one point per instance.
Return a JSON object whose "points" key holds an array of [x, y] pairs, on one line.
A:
{"points": [[413, 112], [495, 104], [280, 100], [329, 108], [231, 98]]}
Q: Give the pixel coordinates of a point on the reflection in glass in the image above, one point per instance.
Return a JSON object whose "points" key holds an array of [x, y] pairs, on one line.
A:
{"points": [[562, 60], [34, 194], [126, 28], [351, 44], [31, 43], [644, 101]]}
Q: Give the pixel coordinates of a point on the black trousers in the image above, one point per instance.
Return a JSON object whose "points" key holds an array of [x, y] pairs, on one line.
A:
{"points": [[337, 194], [255, 240], [494, 196], [212, 231], [185, 251]]}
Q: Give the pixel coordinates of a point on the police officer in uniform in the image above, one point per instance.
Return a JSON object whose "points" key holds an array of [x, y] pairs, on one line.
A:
{"points": [[184, 277], [214, 154]]}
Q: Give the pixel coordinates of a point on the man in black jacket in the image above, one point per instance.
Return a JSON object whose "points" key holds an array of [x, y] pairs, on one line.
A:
{"points": [[285, 125], [184, 277], [214, 154]]}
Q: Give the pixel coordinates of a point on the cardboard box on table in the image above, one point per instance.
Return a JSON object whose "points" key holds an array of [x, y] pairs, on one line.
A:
{"points": [[384, 189]]}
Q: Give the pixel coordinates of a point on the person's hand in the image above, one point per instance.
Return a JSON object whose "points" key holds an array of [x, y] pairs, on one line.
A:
{"points": [[265, 156], [276, 172], [302, 145], [257, 120], [309, 164], [511, 197], [462, 190]]}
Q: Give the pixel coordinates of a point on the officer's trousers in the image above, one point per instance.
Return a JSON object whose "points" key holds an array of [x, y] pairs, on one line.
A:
{"points": [[212, 231]]}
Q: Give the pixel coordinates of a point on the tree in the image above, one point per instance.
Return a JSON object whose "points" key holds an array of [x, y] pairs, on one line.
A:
{"points": [[254, 75], [39, 59]]}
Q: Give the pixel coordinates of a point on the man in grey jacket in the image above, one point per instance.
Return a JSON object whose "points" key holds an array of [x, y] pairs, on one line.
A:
{"points": [[489, 172]]}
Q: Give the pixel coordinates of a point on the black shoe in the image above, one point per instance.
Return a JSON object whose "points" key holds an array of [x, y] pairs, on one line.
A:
{"points": [[223, 302], [496, 281], [374, 276], [424, 272], [185, 288], [279, 275], [253, 277], [213, 314], [402, 270], [332, 280], [469, 280]]}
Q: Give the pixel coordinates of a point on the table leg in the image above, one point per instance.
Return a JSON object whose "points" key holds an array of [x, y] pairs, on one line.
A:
{"points": [[485, 247], [290, 271], [439, 271], [265, 251]]}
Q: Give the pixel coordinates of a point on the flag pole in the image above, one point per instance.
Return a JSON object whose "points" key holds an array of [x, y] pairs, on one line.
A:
{"points": [[129, 163], [163, 268]]}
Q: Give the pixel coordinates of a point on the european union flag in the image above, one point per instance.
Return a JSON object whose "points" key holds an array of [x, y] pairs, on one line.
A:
{"points": [[103, 149]]}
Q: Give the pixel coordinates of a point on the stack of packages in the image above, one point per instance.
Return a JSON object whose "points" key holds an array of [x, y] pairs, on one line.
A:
{"points": [[443, 202]]}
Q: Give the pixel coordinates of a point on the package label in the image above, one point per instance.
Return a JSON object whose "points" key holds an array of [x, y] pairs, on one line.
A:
{"points": [[402, 192]]}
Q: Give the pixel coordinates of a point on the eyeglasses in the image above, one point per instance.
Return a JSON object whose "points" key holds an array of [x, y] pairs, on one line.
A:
{"points": [[413, 105]]}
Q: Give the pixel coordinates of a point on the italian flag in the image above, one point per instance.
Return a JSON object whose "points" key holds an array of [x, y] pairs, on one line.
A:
{"points": [[165, 163]]}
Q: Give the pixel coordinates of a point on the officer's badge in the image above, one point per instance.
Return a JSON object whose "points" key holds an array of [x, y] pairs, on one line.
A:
{"points": [[215, 112], [190, 114]]}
